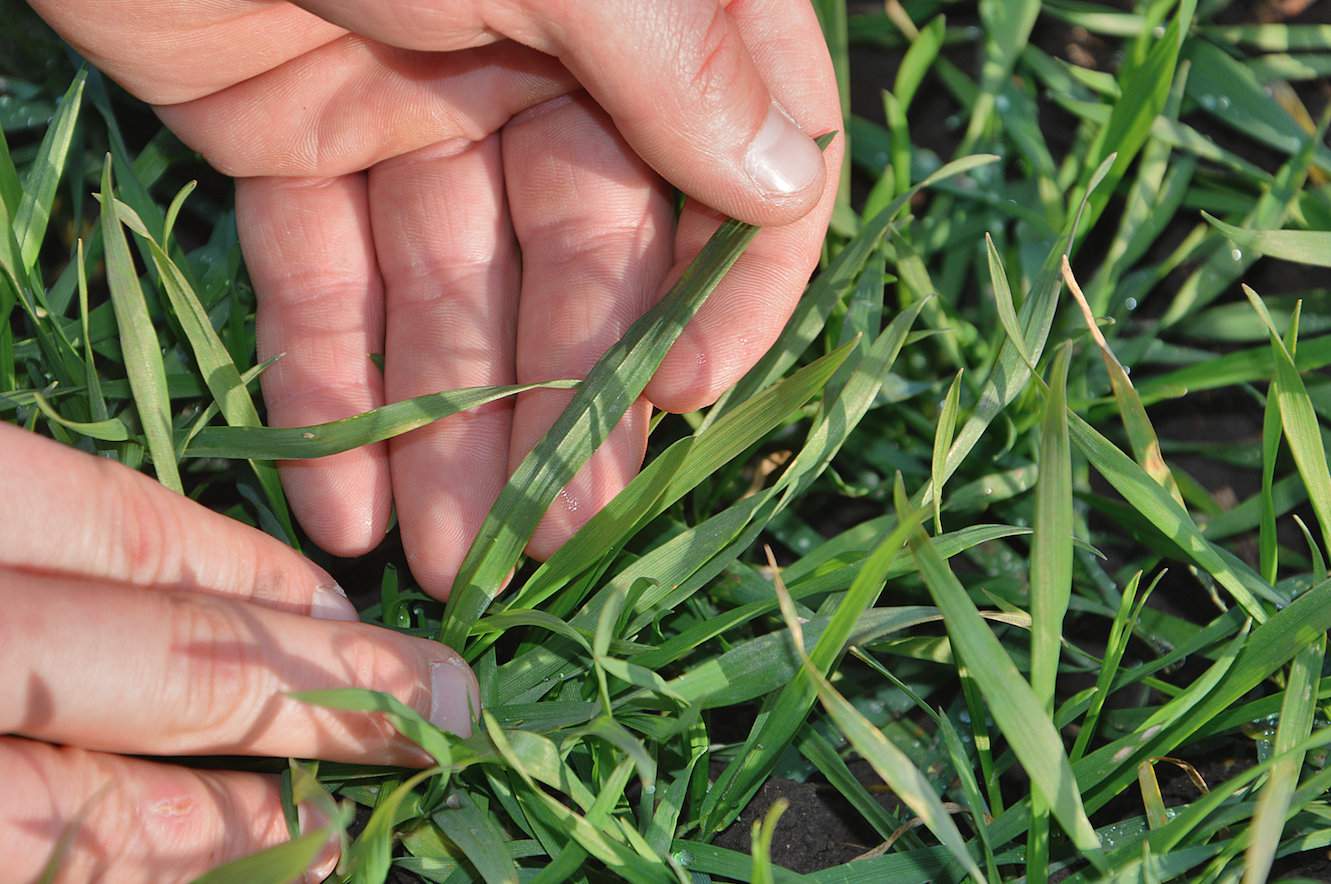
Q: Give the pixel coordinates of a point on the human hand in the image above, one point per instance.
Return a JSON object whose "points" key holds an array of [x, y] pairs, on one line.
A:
{"points": [[397, 157], [138, 622]]}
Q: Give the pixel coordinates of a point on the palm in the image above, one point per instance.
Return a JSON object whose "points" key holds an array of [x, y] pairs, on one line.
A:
{"points": [[385, 197]]}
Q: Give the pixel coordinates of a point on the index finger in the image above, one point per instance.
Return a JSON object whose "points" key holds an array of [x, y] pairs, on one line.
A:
{"points": [[70, 514]]}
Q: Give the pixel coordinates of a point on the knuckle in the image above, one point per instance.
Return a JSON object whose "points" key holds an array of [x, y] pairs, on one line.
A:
{"points": [[215, 674], [431, 276], [584, 245], [296, 288], [371, 662], [145, 540], [274, 587]]}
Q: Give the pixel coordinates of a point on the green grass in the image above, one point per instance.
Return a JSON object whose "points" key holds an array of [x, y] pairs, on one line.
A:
{"points": [[1012, 569]]}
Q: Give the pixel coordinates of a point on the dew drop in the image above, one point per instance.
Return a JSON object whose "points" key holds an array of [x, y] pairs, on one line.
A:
{"points": [[988, 492], [1158, 31], [1208, 102], [1002, 103], [1130, 303], [1236, 254]]}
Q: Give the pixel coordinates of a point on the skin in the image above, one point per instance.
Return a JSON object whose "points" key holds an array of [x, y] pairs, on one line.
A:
{"points": [[481, 191]]}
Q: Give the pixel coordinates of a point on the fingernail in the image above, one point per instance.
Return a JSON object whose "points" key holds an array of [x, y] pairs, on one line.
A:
{"points": [[454, 697], [311, 818], [782, 160], [330, 602]]}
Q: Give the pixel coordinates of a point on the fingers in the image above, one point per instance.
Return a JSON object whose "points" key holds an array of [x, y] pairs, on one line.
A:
{"points": [[310, 252], [169, 52], [128, 820], [745, 314], [209, 676], [676, 76], [595, 227], [352, 103], [70, 514], [450, 267]]}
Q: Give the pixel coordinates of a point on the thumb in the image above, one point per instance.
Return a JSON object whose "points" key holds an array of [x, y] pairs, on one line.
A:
{"points": [[683, 89]]}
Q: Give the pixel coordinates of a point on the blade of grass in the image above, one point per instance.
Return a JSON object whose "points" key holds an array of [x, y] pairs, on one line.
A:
{"points": [[1145, 88], [1009, 698], [480, 839], [96, 401], [321, 440], [277, 865], [1051, 543], [1267, 540], [1050, 577], [34, 212], [138, 341], [108, 430], [1007, 311], [1148, 498], [1007, 27], [1297, 711], [1152, 801], [1141, 435], [1299, 246], [371, 854], [760, 840], [906, 780], [947, 424], [1120, 633], [11, 190], [407, 721], [1302, 430]]}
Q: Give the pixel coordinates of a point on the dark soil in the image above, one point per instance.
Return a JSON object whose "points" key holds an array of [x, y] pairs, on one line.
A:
{"points": [[817, 831]]}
